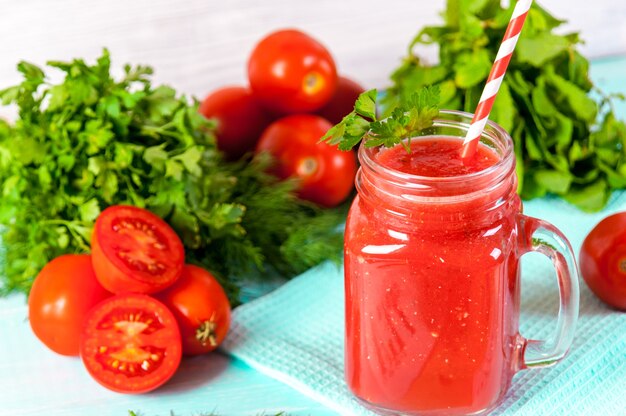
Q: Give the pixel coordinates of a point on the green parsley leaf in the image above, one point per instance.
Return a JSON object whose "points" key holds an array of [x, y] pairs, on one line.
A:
{"points": [[89, 210], [404, 123], [365, 105]]}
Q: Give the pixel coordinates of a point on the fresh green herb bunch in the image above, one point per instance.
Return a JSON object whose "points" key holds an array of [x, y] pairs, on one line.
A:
{"points": [[91, 141], [566, 142]]}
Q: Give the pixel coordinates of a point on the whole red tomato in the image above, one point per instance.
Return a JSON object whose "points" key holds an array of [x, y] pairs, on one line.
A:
{"points": [[240, 119], [201, 309], [130, 343], [62, 294], [290, 72], [342, 101], [133, 250], [326, 174], [603, 260]]}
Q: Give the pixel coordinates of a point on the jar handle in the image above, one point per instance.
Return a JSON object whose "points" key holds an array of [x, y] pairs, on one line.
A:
{"points": [[542, 237]]}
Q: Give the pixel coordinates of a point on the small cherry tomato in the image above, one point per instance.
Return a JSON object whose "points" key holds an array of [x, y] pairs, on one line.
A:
{"points": [[603, 260], [62, 295], [240, 119], [290, 72], [201, 309], [134, 250], [131, 343], [342, 101], [326, 174]]}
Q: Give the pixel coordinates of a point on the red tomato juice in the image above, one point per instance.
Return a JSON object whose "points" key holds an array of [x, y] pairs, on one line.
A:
{"points": [[431, 294]]}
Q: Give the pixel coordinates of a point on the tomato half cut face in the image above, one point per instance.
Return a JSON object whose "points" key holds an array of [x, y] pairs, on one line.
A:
{"points": [[131, 343], [134, 250]]}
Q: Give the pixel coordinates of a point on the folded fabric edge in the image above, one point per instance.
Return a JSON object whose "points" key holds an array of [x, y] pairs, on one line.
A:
{"points": [[293, 383], [286, 285], [233, 347]]}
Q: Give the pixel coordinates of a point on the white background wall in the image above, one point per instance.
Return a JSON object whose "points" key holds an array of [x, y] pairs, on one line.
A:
{"points": [[197, 45]]}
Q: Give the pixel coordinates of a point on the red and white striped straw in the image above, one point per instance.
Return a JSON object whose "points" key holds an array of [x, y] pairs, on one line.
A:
{"points": [[495, 78]]}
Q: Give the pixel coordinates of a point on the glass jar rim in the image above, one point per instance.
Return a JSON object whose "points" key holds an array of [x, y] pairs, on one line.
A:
{"points": [[492, 130]]}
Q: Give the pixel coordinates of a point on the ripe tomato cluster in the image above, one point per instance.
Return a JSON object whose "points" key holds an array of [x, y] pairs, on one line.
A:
{"points": [[294, 97], [133, 307]]}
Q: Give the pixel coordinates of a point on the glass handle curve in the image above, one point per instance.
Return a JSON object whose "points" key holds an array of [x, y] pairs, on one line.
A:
{"points": [[542, 237]]}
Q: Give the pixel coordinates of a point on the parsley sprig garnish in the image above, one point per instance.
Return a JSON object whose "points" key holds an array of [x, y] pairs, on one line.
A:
{"points": [[406, 121]]}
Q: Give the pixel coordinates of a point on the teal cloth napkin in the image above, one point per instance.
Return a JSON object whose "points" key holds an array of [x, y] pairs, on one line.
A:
{"points": [[295, 334]]}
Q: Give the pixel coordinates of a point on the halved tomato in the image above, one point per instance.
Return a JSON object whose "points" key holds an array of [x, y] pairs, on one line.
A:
{"points": [[131, 343], [134, 250]]}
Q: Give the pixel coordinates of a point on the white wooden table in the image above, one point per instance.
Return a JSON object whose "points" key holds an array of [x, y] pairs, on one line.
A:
{"points": [[198, 45]]}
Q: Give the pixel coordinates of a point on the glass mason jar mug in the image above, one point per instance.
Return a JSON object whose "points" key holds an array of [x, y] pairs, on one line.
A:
{"points": [[432, 283]]}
